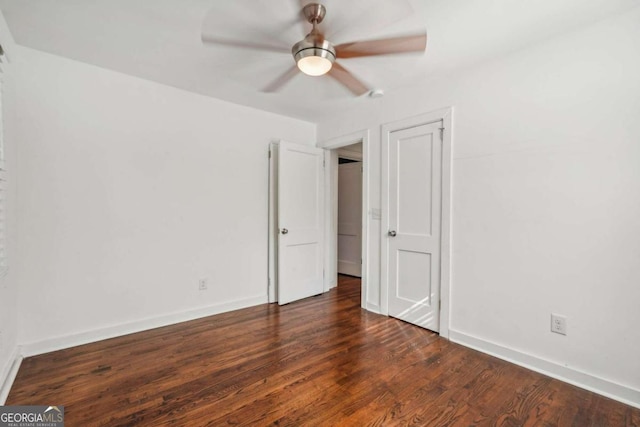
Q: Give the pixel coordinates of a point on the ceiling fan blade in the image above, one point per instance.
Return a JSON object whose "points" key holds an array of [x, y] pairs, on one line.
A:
{"points": [[283, 79], [350, 81], [206, 39], [390, 46]]}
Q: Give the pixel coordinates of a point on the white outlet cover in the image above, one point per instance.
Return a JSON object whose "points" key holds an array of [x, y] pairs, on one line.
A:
{"points": [[558, 324]]}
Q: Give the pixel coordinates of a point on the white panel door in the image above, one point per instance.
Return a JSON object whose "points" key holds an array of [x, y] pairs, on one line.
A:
{"points": [[350, 219], [300, 222], [415, 193]]}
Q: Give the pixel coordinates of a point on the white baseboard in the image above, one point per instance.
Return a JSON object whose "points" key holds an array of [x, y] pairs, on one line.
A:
{"points": [[375, 308], [8, 374], [580, 379], [72, 340], [350, 268], [330, 284]]}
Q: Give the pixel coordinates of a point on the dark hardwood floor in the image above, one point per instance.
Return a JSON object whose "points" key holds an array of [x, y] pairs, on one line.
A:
{"points": [[320, 361]]}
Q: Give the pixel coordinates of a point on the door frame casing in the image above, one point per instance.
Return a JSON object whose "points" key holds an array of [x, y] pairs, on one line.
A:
{"points": [[272, 279], [331, 254], [445, 116]]}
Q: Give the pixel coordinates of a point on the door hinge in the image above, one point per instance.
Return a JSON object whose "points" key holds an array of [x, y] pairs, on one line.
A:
{"points": [[269, 153], [441, 134], [323, 162], [440, 305]]}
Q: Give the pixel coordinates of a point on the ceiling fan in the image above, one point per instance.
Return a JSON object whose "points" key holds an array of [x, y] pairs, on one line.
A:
{"points": [[316, 56]]}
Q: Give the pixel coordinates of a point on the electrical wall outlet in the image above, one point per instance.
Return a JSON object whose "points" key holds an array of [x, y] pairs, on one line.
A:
{"points": [[203, 284], [558, 324]]}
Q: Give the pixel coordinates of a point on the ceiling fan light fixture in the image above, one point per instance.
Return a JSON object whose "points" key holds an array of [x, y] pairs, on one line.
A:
{"points": [[314, 56], [314, 65]]}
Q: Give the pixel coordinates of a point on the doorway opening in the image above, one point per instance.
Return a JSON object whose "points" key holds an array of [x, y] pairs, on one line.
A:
{"points": [[349, 211], [346, 249]]}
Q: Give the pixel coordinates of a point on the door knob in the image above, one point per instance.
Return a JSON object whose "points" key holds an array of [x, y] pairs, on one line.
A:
{"points": [[284, 231], [392, 233]]}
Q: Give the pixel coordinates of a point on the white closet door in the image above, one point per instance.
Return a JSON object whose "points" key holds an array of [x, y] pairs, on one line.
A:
{"points": [[414, 224], [300, 222]]}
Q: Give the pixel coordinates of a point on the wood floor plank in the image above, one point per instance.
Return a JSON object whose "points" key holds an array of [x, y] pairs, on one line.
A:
{"points": [[322, 361]]}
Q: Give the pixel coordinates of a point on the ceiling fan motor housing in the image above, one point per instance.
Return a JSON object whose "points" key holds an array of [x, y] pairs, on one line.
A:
{"points": [[313, 45]]}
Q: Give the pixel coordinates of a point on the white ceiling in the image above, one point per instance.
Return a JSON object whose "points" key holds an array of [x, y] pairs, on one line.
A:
{"points": [[160, 40]]}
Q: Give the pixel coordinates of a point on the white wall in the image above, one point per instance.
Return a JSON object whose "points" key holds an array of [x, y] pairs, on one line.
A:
{"points": [[546, 200], [130, 192], [8, 282]]}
